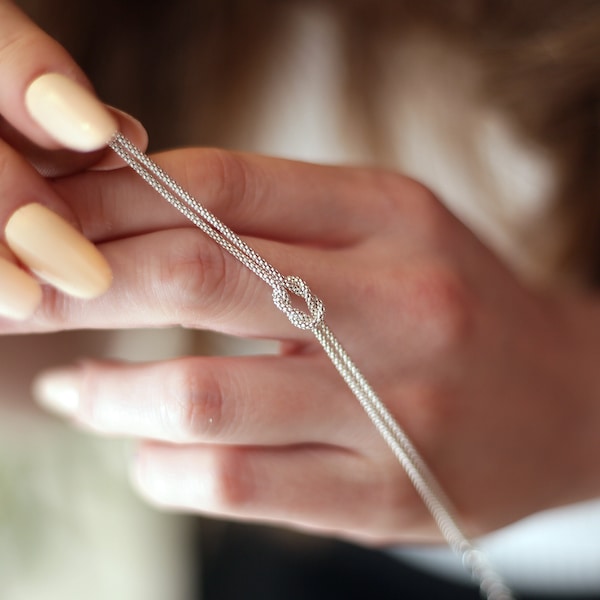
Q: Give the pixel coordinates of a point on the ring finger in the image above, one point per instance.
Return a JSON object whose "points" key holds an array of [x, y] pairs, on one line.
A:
{"points": [[320, 488]]}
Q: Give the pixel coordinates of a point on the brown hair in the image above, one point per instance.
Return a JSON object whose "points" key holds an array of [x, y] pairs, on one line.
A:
{"points": [[188, 71]]}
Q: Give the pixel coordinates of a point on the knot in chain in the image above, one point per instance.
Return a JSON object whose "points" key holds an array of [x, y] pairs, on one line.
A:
{"points": [[302, 319]]}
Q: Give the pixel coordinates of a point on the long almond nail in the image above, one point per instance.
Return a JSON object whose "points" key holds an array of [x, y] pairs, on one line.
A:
{"points": [[20, 294], [58, 391], [69, 113], [57, 252]]}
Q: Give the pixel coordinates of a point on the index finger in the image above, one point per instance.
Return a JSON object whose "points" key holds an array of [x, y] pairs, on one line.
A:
{"points": [[27, 52]]}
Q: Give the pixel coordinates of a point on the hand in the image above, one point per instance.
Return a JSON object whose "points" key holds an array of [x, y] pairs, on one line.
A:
{"points": [[477, 369], [27, 156]]}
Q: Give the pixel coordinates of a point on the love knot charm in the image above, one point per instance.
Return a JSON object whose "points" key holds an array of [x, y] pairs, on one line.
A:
{"points": [[307, 320]]}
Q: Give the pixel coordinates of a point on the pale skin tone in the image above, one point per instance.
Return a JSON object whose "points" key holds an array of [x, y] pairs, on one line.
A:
{"points": [[495, 382]]}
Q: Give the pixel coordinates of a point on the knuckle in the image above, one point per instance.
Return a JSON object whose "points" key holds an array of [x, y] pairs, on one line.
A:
{"points": [[232, 481], [56, 310], [444, 300], [194, 274], [429, 216], [195, 410], [390, 184], [389, 190], [400, 193], [409, 201], [442, 305], [200, 280], [224, 179]]}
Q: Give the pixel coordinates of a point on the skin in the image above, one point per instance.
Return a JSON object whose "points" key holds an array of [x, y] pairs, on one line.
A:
{"points": [[492, 380], [26, 151]]}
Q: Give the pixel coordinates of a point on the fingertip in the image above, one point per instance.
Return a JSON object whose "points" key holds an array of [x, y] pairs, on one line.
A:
{"points": [[57, 391], [141, 476], [69, 113], [57, 252], [20, 293]]}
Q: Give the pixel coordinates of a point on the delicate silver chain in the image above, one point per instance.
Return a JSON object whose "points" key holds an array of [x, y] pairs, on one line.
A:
{"points": [[313, 319]]}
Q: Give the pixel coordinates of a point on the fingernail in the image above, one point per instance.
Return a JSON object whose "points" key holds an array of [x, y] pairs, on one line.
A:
{"points": [[69, 113], [20, 294], [58, 391], [57, 252]]}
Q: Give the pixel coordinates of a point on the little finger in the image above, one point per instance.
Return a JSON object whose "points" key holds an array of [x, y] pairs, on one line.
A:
{"points": [[314, 486]]}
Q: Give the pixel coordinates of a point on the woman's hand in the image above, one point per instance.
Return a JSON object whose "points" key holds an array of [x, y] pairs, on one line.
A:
{"points": [[488, 378], [482, 373], [30, 210]]}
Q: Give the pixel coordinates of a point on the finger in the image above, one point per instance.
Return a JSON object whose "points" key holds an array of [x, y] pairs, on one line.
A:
{"points": [[256, 196], [182, 277], [20, 184], [25, 53], [61, 162], [131, 128], [20, 294], [42, 83], [42, 232], [225, 400], [320, 487]]}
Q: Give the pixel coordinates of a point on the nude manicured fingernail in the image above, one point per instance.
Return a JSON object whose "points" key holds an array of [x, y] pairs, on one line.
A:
{"points": [[58, 391], [20, 294], [57, 252], [69, 113]]}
